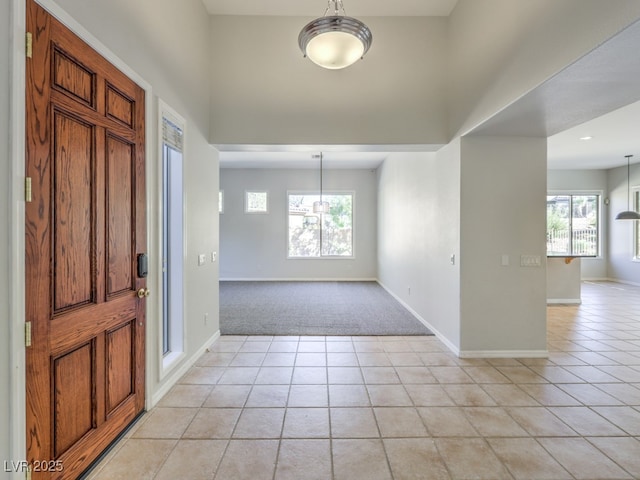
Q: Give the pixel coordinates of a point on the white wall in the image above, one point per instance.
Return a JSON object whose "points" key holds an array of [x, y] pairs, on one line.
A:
{"points": [[418, 231], [622, 267], [586, 181], [502, 212], [265, 92], [502, 49], [254, 246]]}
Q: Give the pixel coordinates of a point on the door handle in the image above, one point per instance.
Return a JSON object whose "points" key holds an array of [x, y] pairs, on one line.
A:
{"points": [[143, 292]]}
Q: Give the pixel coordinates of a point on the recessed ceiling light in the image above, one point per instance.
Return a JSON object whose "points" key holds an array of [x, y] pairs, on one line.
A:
{"points": [[588, 137]]}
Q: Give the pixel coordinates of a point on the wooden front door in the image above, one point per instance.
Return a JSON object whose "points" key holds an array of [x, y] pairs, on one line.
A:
{"points": [[85, 227]]}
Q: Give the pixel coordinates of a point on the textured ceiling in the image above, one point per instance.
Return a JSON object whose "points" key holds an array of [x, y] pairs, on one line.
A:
{"points": [[315, 8]]}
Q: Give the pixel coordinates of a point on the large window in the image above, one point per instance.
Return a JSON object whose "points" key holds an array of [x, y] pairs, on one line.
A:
{"points": [[573, 225], [315, 235]]}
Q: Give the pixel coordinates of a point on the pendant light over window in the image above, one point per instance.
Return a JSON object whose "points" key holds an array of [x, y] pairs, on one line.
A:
{"points": [[321, 206], [628, 214], [335, 41]]}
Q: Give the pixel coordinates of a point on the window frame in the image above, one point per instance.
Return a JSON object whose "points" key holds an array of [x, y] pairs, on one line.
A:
{"points": [[599, 233], [353, 224], [246, 202], [635, 194]]}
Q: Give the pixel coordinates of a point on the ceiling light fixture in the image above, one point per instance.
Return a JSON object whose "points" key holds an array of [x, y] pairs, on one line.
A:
{"points": [[628, 214], [335, 41], [321, 206]]}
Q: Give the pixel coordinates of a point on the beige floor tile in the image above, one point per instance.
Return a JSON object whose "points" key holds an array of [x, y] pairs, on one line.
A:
{"points": [[259, 423], [309, 376], [239, 376], [428, 395], [485, 374], [389, 396], [447, 422], [279, 359], [521, 374], [626, 393], [193, 460], [367, 346], [186, 396], [353, 423], [493, 422], [507, 395], [268, 396], [202, 375], [345, 375], [395, 422], [228, 396], [380, 375], [405, 359], [527, 460], [469, 395], [556, 374], [215, 359], [582, 459], [585, 421], [247, 360], [304, 459], [342, 359], [626, 418], [248, 460], [312, 347], [540, 422], [415, 375], [167, 422], [591, 374], [284, 347], [341, 347], [450, 375], [395, 345], [415, 458], [622, 373], [213, 423], [142, 456], [308, 396], [274, 376], [348, 396], [589, 395], [549, 395], [471, 459], [439, 359], [625, 451], [255, 347], [373, 359], [360, 458], [306, 423], [311, 359]]}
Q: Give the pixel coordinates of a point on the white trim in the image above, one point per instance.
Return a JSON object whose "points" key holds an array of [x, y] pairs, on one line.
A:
{"points": [[565, 301], [504, 354], [17, 373], [17, 246], [167, 363], [179, 372], [625, 282]]}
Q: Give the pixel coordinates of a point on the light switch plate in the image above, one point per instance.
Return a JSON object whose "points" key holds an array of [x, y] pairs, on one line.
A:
{"points": [[202, 259]]}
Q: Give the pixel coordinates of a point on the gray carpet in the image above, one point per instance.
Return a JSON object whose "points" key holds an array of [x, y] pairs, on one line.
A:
{"points": [[313, 308]]}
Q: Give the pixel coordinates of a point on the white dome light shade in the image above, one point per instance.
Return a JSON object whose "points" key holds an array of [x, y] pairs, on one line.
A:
{"points": [[335, 42]]}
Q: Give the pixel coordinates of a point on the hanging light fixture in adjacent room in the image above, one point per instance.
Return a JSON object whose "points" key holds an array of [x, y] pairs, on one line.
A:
{"points": [[335, 41], [628, 214], [320, 206]]}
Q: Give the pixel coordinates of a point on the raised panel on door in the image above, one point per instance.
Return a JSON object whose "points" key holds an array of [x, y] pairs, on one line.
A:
{"points": [[120, 356]]}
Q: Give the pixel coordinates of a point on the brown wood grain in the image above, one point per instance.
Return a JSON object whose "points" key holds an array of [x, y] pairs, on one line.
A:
{"points": [[85, 154]]}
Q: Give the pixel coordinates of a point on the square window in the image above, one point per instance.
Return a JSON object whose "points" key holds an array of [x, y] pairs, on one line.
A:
{"points": [[255, 202]]}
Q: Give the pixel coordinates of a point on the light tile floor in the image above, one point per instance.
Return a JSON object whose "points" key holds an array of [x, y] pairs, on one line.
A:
{"points": [[403, 407]]}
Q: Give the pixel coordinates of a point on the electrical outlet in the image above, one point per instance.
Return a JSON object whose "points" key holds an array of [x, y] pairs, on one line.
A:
{"points": [[213, 256]]}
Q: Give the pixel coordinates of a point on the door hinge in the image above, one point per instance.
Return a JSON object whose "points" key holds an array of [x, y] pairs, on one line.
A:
{"points": [[27, 189], [29, 45], [27, 334]]}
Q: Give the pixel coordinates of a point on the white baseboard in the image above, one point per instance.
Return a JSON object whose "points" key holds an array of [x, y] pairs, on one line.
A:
{"points": [[504, 354], [564, 301], [176, 375], [435, 331], [625, 282], [297, 279]]}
